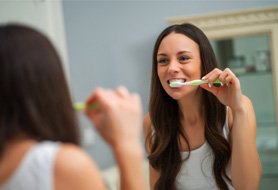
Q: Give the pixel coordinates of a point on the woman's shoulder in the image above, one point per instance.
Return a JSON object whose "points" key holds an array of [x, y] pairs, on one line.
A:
{"points": [[247, 103], [147, 124], [74, 169], [70, 154], [148, 131]]}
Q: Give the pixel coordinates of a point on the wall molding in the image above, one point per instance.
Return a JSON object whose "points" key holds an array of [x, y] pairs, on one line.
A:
{"points": [[231, 19]]}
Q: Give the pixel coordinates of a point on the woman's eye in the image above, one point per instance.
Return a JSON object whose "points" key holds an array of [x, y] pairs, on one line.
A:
{"points": [[162, 61], [183, 58]]}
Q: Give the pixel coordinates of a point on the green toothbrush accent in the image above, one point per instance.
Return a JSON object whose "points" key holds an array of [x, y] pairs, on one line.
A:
{"points": [[217, 82], [199, 82], [81, 106]]}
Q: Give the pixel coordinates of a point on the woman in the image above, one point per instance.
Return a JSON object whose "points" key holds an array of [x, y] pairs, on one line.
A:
{"points": [[39, 136], [198, 137]]}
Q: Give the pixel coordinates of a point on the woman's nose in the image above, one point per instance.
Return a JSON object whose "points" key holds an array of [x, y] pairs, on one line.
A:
{"points": [[174, 66]]}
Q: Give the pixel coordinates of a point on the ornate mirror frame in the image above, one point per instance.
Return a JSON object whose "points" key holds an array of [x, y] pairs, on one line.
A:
{"points": [[238, 23]]}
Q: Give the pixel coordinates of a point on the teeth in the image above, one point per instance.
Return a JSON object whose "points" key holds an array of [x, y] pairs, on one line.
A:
{"points": [[176, 80]]}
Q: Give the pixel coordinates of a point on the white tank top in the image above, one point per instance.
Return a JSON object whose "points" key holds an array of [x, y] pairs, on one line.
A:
{"points": [[196, 173], [35, 171]]}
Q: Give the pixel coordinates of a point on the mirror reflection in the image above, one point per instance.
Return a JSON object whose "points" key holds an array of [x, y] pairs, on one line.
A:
{"points": [[250, 58]]}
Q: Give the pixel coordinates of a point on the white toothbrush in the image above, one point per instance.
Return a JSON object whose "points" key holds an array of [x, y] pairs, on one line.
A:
{"points": [[176, 84]]}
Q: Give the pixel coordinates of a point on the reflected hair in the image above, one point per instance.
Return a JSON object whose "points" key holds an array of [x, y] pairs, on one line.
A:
{"points": [[163, 140], [35, 99]]}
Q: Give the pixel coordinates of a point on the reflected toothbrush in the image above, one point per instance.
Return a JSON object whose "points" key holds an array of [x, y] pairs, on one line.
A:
{"points": [[176, 84], [81, 106]]}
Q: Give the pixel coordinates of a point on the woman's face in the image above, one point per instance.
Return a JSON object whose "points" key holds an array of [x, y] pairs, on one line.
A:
{"points": [[178, 58]]}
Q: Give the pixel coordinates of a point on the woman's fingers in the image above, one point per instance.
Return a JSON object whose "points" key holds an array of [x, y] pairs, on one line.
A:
{"points": [[122, 91], [212, 76], [120, 114], [226, 76], [99, 96]]}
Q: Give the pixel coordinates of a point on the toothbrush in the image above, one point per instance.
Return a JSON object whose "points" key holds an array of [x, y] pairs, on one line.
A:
{"points": [[176, 84], [81, 106]]}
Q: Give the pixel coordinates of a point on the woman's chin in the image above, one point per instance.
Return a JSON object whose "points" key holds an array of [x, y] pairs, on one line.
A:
{"points": [[176, 96]]}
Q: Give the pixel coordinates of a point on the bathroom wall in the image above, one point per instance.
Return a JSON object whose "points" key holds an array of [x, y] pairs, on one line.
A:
{"points": [[46, 16], [110, 43]]}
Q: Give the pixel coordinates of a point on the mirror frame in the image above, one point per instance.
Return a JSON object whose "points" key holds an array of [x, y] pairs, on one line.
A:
{"points": [[222, 25]]}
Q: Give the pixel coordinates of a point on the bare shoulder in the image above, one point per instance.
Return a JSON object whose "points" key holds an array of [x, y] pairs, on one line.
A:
{"points": [[147, 131], [147, 124], [74, 169], [247, 102], [250, 110]]}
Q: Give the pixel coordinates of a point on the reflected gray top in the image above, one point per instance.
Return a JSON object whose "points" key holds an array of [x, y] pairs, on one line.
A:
{"points": [[197, 172], [35, 171]]}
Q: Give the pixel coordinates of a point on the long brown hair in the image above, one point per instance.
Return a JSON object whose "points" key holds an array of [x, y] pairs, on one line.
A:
{"points": [[164, 113], [35, 98]]}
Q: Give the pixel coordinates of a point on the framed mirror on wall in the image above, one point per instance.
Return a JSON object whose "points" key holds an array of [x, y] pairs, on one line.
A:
{"points": [[249, 56], [246, 41]]}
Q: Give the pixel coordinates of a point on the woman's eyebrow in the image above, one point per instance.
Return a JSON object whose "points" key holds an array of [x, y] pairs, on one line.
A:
{"points": [[182, 52], [161, 54]]}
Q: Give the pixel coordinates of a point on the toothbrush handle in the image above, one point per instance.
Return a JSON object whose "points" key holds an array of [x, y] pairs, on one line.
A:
{"points": [[199, 82], [216, 83], [81, 106]]}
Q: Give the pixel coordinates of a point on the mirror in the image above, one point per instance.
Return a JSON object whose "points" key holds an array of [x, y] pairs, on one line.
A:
{"points": [[246, 42], [249, 57]]}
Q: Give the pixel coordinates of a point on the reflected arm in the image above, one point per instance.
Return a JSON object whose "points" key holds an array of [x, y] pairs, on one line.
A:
{"points": [[245, 162]]}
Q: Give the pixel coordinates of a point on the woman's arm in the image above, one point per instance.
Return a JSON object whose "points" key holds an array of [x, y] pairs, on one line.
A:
{"points": [[130, 158], [74, 169], [119, 122], [154, 175], [245, 162]]}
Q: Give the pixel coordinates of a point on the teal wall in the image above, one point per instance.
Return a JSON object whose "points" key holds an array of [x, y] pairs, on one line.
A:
{"points": [[110, 43]]}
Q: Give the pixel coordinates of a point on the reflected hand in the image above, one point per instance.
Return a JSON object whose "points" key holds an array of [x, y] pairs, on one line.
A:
{"points": [[119, 117], [230, 93]]}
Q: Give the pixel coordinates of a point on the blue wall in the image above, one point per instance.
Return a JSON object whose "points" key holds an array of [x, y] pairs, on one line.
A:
{"points": [[110, 43]]}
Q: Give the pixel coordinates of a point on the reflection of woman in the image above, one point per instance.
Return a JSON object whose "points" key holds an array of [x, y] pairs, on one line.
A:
{"points": [[38, 131], [198, 137]]}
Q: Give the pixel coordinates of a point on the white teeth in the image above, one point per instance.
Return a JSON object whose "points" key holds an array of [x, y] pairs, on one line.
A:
{"points": [[175, 83], [176, 80]]}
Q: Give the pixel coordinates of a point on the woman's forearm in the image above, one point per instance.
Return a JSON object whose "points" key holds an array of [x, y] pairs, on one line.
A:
{"points": [[130, 159], [245, 166]]}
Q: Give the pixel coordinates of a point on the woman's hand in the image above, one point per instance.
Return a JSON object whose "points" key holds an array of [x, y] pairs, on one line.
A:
{"points": [[245, 173], [119, 120], [229, 93], [119, 116]]}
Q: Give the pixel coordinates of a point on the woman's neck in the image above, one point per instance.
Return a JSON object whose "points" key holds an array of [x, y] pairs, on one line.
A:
{"points": [[191, 110], [13, 153], [18, 137]]}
